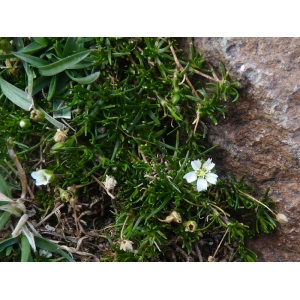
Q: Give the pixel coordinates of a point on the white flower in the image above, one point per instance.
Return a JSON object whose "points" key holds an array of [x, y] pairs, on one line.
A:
{"points": [[109, 183], [126, 245], [42, 176], [202, 174], [45, 253]]}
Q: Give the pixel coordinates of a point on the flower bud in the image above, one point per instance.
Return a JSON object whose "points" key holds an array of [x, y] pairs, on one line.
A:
{"points": [[281, 218], [173, 217], [126, 245], [211, 259], [190, 226], [175, 99], [60, 136], [37, 115], [25, 123], [64, 195]]}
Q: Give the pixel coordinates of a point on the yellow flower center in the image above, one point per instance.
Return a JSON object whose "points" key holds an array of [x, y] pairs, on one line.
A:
{"points": [[201, 173]]}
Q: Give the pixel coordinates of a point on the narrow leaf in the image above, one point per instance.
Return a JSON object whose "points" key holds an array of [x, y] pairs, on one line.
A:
{"points": [[30, 237], [63, 112], [40, 83], [8, 242], [33, 60], [62, 64], [48, 246], [159, 208], [52, 88], [25, 249], [32, 47], [6, 56], [71, 46], [4, 218], [19, 43], [85, 80], [15, 95], [50, 119], [41, 40], [4, 187]]}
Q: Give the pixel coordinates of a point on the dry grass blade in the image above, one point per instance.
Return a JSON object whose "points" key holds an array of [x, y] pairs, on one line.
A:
{"points": [[21, 173], [81, 253], [47, 217]]}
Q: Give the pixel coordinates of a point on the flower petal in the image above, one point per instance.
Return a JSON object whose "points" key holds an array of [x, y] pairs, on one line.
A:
{"points": [[208, 165], [201, 185], [196, 164], [190, 177], [211, 178], [41, 182], [42, 176], [38, 174]]}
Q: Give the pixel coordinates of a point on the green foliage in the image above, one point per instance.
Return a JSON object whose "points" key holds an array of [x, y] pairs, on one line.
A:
{"points": [[133, 114]]}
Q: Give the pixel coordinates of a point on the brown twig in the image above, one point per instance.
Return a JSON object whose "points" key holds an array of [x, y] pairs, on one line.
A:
{"points": [[68, 238], [47, 217], [220, 243], [187, 258], [198, 251], [204, 75]]}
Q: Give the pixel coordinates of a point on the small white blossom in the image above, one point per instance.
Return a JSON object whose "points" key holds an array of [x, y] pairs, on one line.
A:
{"points": [[109, 183], [45, 253], [126, 245], [202, 174], [43, 176]]}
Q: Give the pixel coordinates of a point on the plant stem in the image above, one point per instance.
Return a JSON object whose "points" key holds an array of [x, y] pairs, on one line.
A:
{"points": [[257, 201]]}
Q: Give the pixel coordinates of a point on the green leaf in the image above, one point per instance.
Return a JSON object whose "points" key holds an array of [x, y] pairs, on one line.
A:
{"points": [[63, 112], [84, 80], [8, 242], [30, 75], [15, 95], [33, 47], [48, 246], [25, 249], [4, 218], [4, 187], [159, 208], [63, 64], [41, 40], [71, 46], [40, 83], [19, 43], [52, 88], [81, 65], [33, 60], [50, 119], [6, 56]]}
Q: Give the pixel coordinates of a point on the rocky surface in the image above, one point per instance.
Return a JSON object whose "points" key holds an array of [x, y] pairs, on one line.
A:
{"points": [[260, 135]]}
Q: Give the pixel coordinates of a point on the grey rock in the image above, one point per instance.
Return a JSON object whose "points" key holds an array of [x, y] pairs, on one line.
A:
{"points": [[260, 135]]}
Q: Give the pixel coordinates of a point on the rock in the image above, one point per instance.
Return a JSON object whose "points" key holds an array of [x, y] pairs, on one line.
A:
{"points": [[260, 135]]}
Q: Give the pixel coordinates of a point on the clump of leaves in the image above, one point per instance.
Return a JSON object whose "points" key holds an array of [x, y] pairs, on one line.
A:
{"points": [[128, 110]]}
